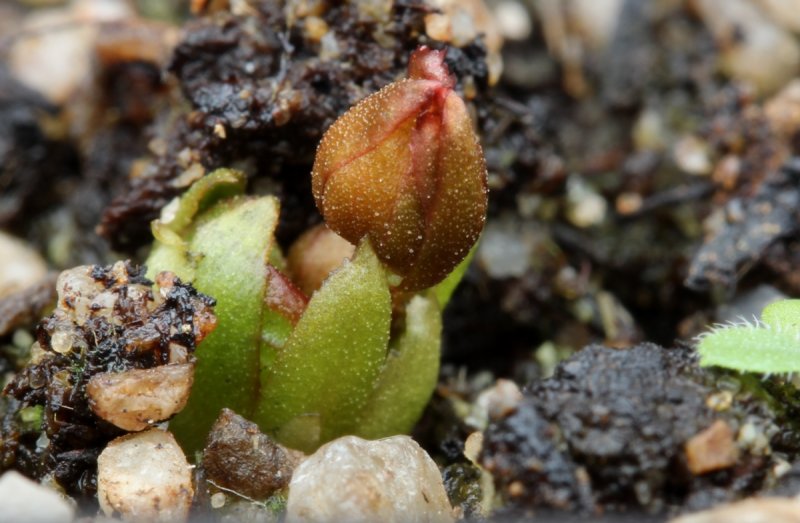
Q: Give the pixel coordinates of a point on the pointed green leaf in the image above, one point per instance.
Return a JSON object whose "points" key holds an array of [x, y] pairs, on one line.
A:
{"points": [[231, 243], [409, 375], [325, 374], [444, 289]]}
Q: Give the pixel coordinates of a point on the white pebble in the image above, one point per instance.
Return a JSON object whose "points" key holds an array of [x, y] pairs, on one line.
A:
{"points": [[507, 248], [691, 155], [513, 20], [145, 477], [585, 207], [355, 480], [24, 501], [495, 403]]}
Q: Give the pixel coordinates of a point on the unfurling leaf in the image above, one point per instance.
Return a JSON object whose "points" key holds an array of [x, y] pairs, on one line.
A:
{"points": [[221, 244]]}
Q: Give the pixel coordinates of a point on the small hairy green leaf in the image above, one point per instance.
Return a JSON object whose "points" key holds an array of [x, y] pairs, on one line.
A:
{"points": [[324, 375], [751, 348], [783, 314], [409, 374]]}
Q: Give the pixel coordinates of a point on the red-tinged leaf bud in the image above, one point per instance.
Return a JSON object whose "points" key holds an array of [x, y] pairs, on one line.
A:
{"points": [[405, 168], [283, 297]]}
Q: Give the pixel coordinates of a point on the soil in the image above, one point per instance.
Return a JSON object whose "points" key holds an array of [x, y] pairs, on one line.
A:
{"points": [[137, 331], [602, 258]]}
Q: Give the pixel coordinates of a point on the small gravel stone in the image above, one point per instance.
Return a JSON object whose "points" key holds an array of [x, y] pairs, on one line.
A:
{"points": [[351, 479], [506, 249], [145, 477], [513, 20], [240, 458], [135, 399], [691, 156], [24, 501], [495, 403], [458, 22], [585, 206], [712, 449], [595, 20]]}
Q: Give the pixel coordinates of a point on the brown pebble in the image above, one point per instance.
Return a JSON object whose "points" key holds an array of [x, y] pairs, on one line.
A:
{"points": [[516, 489], [629, 203], [712, 449], [240, 458]]}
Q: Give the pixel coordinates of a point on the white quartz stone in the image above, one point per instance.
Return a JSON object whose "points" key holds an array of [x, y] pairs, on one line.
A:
{"points": [[350, 479], [145, 477]]}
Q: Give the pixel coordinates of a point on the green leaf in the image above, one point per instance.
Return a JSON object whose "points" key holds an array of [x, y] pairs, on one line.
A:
{"points": [[773, 346], [173, 257], [409, 375], [230, 243], [325, 374], [444, 289], [782, 314], [205, 192], [173, 230], [748, 348]]}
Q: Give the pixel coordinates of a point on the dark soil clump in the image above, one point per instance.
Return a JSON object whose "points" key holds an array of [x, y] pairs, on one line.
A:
{"points": [[108, 320], [608, 432]]}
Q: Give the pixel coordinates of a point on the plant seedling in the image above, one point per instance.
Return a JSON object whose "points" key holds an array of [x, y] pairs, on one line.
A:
{"points": [[402, 176]]}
